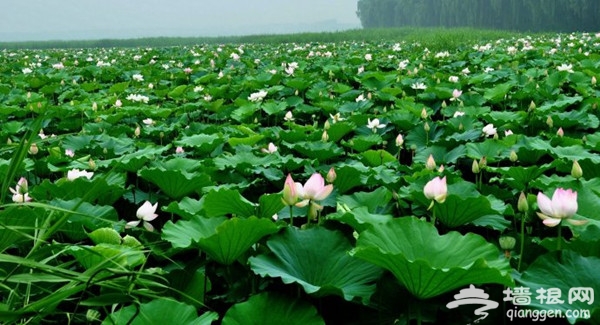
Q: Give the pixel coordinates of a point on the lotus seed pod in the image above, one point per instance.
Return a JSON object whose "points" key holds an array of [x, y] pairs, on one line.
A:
{"points": [[507, 242]]}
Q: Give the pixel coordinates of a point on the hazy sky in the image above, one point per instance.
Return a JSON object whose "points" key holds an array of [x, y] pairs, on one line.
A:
{"points": [[22, 20]]}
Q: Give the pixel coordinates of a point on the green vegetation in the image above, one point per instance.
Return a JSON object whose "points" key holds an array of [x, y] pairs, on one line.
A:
{"points": [[432, 38]]}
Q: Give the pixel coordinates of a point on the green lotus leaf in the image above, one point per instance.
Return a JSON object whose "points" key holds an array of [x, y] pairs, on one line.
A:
{"points": [[377, 157], [249, 141], [160, 311], [203, 143], [244, 160], [105, 236], [338, 130], [518, 177], [349, 176], [227, 202], [558, 105], [186, 208], [375, 202], [491, 149], [272, 309], [273, 108], [360, 218], [364, 142], [428, 264], [269, 204], [234, 237], [107, 256], [175, 183], [317, 259], [498, 92], [566, 271], [101, 190], [441, 154], [184, 233], [317, 150], [457, 211]]}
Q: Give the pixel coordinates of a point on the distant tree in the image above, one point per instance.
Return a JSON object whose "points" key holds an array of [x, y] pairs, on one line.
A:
{"points": [[523, 15]]}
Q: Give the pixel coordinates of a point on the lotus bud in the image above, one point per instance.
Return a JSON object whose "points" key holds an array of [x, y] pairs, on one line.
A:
{"points": [[331, 175], [560, 132], [8, 141], [532, 106], [137, 131], [327, 125], [28, 94], [461, 127], [105, 151], [550, 122], [513, 156], [441, 169], [325, 136], [33, 149], [423, 113], [507, 242], [475, 167], [369, 96], [496, 136], [290, 195], [576, 170], [522, 204], [399, 140], [593, 80], [444, 105], [94, 106], [92, 164], [430, 164], [296, 92], [426, 127], [483, 163]]}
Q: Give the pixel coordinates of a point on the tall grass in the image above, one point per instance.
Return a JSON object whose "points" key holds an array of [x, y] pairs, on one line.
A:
{"points": [[433, 38]]}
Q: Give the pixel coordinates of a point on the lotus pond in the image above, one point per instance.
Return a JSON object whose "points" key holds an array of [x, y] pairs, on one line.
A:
{"points": [[338, 183]]}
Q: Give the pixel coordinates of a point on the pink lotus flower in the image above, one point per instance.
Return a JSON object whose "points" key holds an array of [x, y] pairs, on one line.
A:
{"points": [[179, 150], [562, 206], [455, 94], [145, 214], [70, 153], [436, 189], [20, 194], [315, 188]]}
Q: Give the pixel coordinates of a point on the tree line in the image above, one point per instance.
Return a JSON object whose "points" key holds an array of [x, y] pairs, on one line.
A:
{"points": [[520, 15]]}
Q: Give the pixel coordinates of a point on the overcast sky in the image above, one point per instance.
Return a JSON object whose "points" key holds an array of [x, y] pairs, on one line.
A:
{"points": [[22, 20]]}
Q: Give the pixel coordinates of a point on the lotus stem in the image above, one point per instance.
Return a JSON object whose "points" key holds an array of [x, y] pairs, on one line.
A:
{"points": [[522, 248]]}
